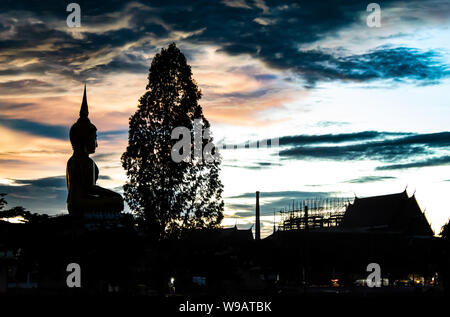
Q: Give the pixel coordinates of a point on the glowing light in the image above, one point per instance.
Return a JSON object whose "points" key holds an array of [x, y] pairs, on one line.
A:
{"points": [[18, 219], [335, 282]]}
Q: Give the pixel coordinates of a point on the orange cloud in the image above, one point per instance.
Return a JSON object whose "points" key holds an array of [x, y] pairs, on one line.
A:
{"points": [[245, 112]]}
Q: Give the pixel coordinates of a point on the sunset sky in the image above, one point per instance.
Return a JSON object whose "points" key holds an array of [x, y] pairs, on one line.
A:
{"points": [[358, 110]]}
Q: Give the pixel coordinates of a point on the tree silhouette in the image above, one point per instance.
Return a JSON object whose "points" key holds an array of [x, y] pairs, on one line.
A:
{"points": [[3, 202], [445, 231], [170, 196], [19, 211]]}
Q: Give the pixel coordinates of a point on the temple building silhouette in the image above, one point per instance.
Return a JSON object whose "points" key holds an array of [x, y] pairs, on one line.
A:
{"points": [[386, 213], [337, 245], [390, 213]]}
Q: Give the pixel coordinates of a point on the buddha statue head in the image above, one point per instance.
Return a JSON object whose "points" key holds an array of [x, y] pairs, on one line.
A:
{"points": [[83, 134]]}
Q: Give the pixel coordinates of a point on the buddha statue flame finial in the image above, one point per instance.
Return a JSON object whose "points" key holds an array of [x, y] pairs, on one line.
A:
{"points": [[84, 110]]}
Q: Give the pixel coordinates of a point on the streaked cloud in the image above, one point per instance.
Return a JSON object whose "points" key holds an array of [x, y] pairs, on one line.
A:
{"points": [[27, 86], [433, 161], [36, 128], [336, 138], [370, 179], [404, 146]]}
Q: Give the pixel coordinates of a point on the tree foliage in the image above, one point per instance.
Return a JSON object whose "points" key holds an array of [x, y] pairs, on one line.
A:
{"points": [[445, 231], [19, 211], [170, 196], [3, 202]]}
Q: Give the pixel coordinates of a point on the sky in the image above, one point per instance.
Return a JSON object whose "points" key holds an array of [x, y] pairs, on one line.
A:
{"points": [[357, 110]]}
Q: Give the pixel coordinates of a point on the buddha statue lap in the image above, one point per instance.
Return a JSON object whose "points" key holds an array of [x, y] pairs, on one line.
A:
{"points": [[84, 196]]}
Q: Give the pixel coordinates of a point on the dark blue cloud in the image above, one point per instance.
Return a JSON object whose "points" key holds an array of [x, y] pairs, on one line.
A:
{"points": [[46, 182], [434, 161], [112, 134], [265, 77], [369, 179], [306, 140], [402, 147], [399, 64], [234, 30], [125, 63], [336, 138], [53, 131], [398, 148], [45, 195], [36, 128], [372, 150]]}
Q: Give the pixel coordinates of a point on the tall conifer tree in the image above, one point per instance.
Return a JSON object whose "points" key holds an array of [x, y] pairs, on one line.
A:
{"points": [[170, 196]]}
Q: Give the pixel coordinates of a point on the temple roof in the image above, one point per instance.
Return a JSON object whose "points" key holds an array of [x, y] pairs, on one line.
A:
{"points": [[394, 212]]}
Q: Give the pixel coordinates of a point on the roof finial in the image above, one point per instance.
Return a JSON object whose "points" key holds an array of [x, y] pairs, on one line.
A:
{"points": [[84, 111]]}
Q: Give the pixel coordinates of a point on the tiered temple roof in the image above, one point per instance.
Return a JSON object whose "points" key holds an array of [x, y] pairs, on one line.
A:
{"points": [[393, 213]]}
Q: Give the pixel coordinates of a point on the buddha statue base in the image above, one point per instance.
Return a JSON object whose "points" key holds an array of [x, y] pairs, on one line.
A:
{"points": [[99, 220], [101, 215]]}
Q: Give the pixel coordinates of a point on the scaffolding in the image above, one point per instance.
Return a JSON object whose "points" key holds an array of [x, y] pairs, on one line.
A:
{"points": [[313, 213]]}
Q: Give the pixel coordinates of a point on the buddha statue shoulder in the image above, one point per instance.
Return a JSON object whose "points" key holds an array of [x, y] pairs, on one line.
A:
{"points": [[84, 196]]}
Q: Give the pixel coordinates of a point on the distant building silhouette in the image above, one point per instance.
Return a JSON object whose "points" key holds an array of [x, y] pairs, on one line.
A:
{"points": [[388, 213], [390, 230]]}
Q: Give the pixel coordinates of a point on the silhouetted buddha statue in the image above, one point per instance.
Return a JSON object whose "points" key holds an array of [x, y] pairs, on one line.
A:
{"points": [[84, 196]]}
